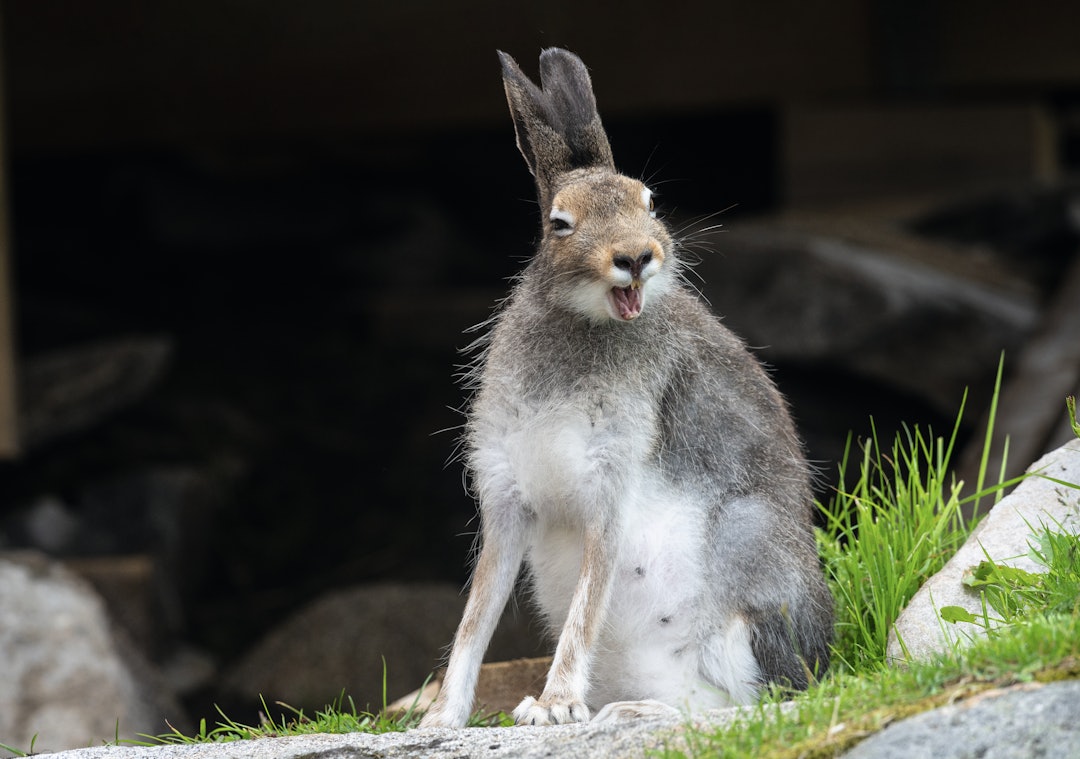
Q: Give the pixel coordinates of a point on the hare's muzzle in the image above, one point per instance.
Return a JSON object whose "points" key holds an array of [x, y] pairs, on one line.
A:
{"points": [[627, 301]]}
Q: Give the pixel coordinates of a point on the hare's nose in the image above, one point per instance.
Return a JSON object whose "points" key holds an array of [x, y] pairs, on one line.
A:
{"points": [[633, 265]]}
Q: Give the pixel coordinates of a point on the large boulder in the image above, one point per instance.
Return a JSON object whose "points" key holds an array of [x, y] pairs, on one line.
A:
{"points": [[925, 318], [1004, 535], [1011, 723], [68, 677], [344, 640]]}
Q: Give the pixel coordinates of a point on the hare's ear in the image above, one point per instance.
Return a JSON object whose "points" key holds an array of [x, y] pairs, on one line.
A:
{"points": [[557, 126]]}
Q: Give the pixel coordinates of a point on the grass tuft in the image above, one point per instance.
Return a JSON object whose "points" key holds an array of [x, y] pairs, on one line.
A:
{"points": [[891, 526], [885, 535], [341, 716]]}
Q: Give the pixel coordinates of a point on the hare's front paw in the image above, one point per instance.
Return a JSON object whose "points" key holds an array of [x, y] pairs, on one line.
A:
{"points": [[550, 712], [439, 716], [435, 719]]}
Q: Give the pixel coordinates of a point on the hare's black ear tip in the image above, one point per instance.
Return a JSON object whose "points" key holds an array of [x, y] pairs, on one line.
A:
{"points": [[509, 65]]}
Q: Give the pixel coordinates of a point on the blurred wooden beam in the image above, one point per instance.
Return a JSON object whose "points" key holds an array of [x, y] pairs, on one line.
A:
{"points": [[835, 153], [9, 443]]}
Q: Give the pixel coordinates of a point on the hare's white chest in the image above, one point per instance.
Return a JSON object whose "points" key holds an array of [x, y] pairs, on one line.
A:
{"points": [[553, 454], [565, 458]]}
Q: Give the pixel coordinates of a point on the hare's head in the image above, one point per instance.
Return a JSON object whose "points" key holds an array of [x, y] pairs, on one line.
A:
{"points": [[605, 250]]}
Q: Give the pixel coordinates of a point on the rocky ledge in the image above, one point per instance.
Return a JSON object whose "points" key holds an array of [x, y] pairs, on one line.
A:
{"points": [[1025, 720]]}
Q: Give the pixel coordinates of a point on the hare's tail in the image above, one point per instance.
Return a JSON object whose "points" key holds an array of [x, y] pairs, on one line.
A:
{"points": [[791, 650]]}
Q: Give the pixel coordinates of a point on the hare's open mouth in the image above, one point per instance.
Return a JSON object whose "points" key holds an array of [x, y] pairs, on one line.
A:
{"points": [[627, 301]]}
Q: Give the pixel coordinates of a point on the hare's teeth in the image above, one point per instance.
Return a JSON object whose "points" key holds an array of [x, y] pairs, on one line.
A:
{"points": [[627, 302]]}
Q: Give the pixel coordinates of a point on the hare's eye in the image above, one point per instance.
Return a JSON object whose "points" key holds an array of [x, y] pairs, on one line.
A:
{"points": [[562, 223], [648, 201]]}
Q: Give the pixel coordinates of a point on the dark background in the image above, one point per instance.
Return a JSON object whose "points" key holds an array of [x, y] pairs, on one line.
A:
{"points": [[309, 202]]}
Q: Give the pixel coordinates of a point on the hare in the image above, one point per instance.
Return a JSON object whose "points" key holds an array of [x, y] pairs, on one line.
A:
{"points": [[627, 448]]}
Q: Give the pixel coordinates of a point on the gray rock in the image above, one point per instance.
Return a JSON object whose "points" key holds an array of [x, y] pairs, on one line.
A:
{"points": [[339, 642], [1004, 535], [1013, 723], [621, 740], [66, 676], [1024, 721], [914, 315], [50, 525]]}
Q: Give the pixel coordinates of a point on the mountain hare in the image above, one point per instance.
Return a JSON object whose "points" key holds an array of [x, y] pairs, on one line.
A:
{"points": [[626, 446]]}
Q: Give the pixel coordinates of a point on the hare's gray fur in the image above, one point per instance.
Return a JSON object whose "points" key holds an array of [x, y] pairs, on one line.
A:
{"points": [[627, 447]]}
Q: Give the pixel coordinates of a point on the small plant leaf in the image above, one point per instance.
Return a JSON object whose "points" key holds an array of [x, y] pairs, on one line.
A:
{"points": [[989, 573], [977, 576], [954, 614]]}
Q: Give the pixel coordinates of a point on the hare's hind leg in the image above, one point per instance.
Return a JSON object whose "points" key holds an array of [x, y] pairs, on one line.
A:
{"points": [[563, 699], [728, 661], [492, 581]]}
